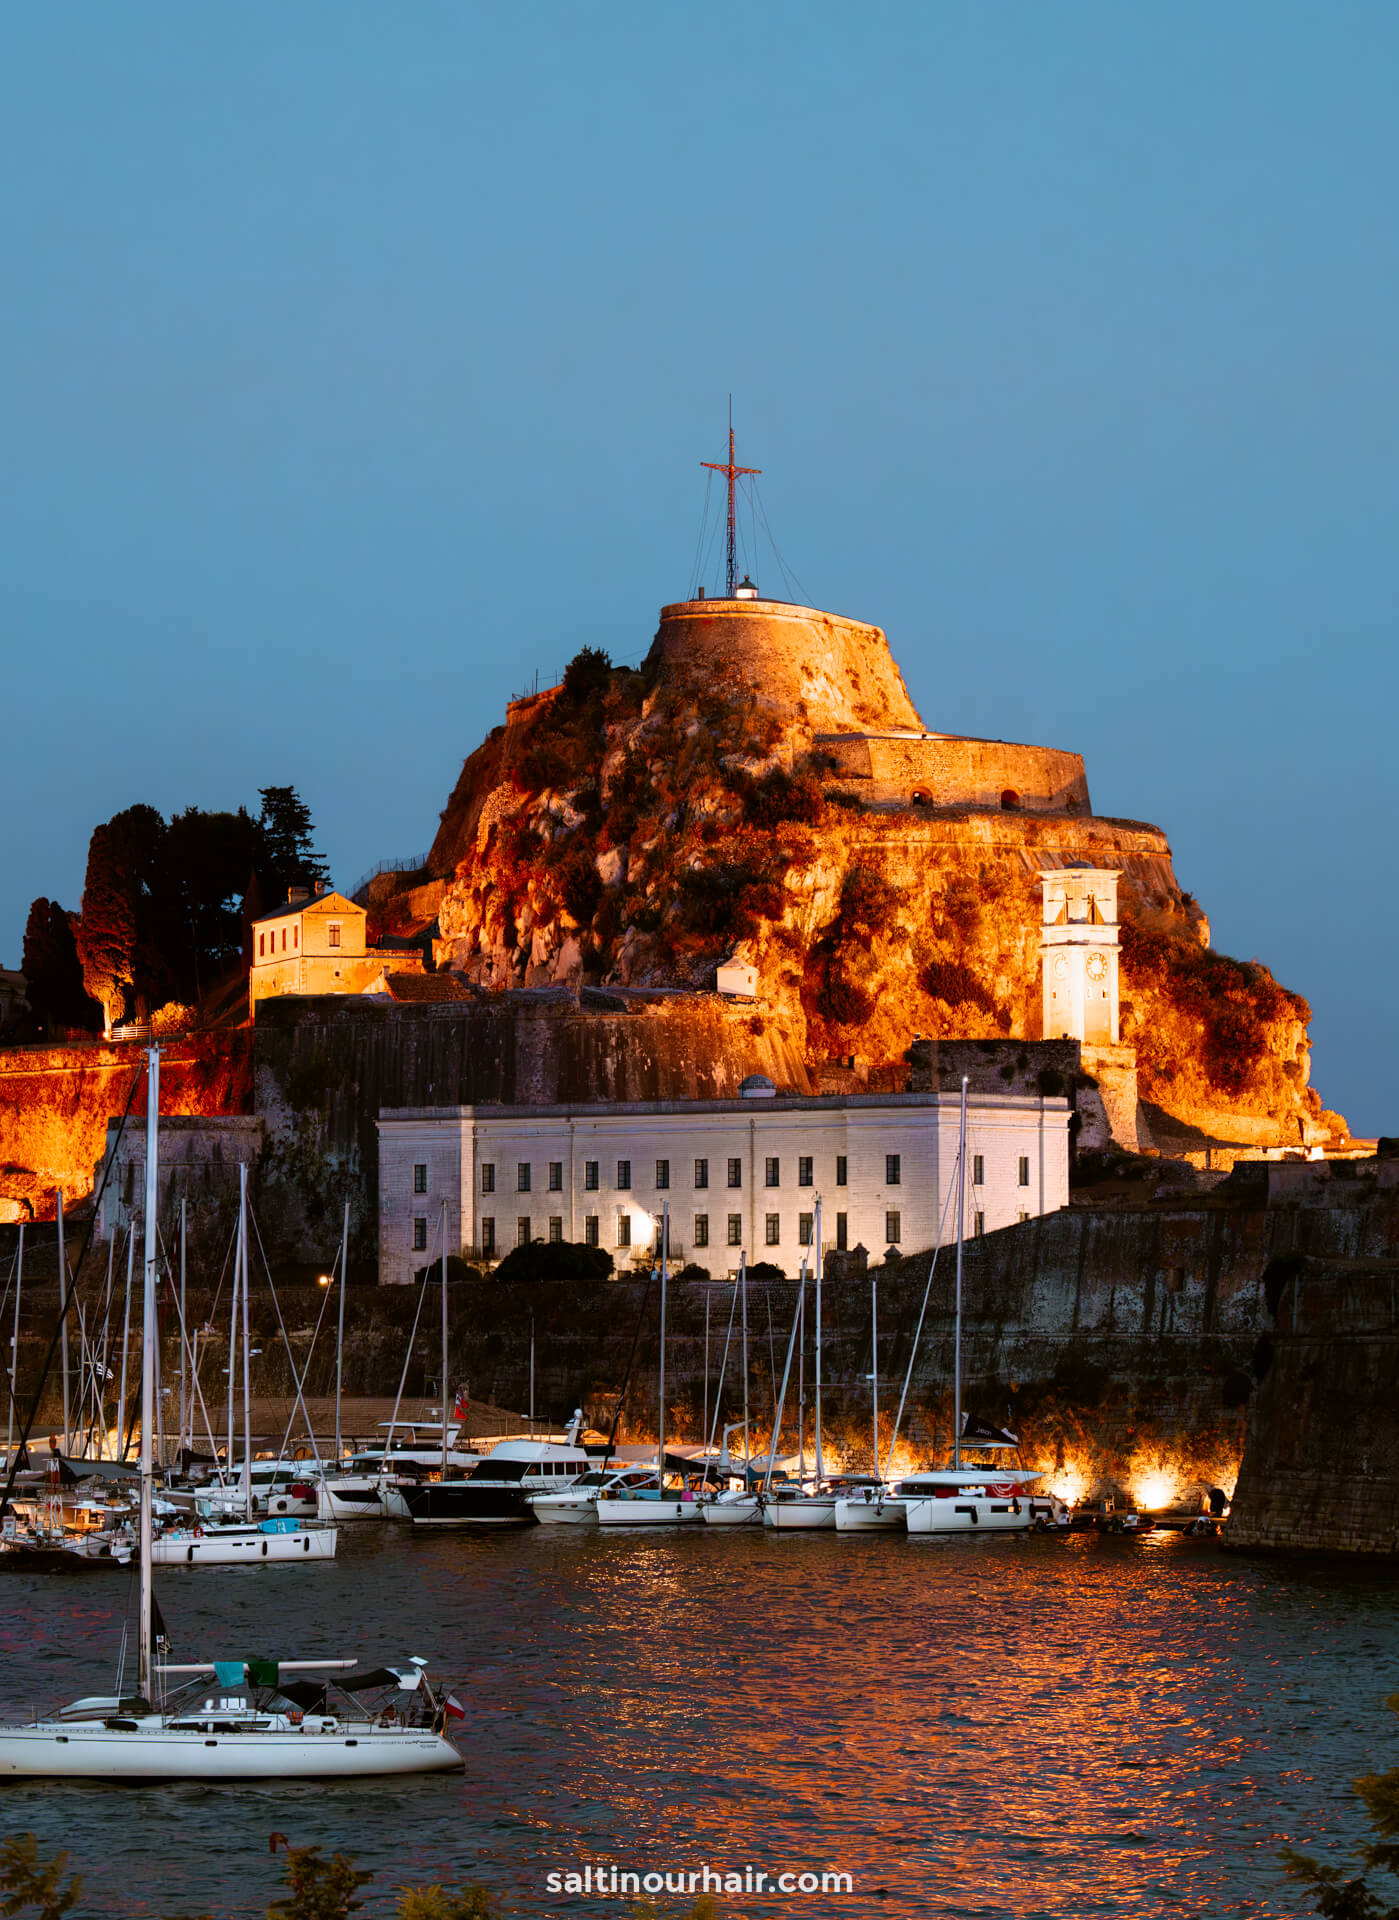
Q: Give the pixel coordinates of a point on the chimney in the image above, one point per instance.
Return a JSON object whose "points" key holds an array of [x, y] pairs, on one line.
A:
{"points": [[297, 893], [320, 886]]}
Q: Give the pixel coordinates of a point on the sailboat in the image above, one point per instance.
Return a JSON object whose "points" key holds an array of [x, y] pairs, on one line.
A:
{"points": [[873, 1508], [737, 1506], [653, 1504], [229, 1719], [810, 1506], [216, 1537], [958, 1498]]}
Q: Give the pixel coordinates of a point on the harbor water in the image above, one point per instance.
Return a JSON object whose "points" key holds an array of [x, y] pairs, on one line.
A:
{"points": [[1015, 1727]]}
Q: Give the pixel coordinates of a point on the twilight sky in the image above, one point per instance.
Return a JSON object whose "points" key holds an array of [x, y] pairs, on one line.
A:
{"points": [[359, 362]]}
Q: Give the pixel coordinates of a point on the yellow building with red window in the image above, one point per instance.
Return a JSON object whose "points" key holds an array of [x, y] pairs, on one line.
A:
{"points": [[315, 942]]}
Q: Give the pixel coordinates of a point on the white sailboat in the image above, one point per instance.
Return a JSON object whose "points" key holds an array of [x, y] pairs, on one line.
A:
{"points": [[959, 1499], [874, 1509], [229, 1719], [810, 1507], [226, 1532], [654, 1504]]}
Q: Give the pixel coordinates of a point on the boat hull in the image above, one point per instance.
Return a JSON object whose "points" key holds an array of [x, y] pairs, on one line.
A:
{"points": [[554, 1510], [20, 1558], [951, 1515], [744, 1512], [78, 1752], [801, 1516], [869, 1516], [241, 1547], [466, 1503], [649, 1513]]}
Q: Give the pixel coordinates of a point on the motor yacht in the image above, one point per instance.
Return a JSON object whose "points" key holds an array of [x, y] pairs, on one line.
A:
{"points": [[576, 1504], [496, 1493]]}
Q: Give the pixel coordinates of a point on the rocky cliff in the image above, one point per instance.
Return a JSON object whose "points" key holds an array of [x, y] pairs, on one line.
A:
{"points": [[764, 789]]}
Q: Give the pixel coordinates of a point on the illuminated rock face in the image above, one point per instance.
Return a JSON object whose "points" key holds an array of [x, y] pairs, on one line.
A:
{"points": [[763, 793], [55, 1103]]}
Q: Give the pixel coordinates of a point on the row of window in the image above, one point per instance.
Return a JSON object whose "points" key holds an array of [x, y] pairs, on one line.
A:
{"points": [[893, 1173], [267, 942], [592, 1230]]}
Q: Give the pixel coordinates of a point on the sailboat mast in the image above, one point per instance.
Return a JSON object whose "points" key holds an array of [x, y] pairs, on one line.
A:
{"points": [[145, 1685], [186, 1419], [340, 1328], [233, 1330], [957, 1335], [14, 1348], [665, 1257], [820, 1463], [743, 1287], [444, 1340], [874, 1365], [125, 1338], [247, 1356], [801, 1375], [63, 1326]]}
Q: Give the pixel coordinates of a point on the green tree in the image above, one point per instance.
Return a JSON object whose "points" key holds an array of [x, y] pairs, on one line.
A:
{"points": [[555, 1260], [589, 672], [1338, 1898], [439, 1903], [287, 855], [53, 973], [26, 1881], [122, 932], [208, 858], [319, 1889]]}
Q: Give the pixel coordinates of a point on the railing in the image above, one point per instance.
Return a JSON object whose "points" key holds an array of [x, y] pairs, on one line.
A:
{"points": [[409, 863]]}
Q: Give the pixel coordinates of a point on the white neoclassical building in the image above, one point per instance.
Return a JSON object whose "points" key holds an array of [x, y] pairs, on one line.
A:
{"points": [[739, 1175]]}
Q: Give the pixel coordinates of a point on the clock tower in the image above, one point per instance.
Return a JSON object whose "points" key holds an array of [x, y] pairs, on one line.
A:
{"points": [[1079, 952]]}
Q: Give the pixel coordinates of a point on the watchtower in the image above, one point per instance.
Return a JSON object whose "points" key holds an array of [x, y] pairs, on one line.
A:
{"points": [[1079, 954]]}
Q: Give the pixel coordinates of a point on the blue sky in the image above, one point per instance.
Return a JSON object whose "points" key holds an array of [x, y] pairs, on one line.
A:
{"points": [[359, 362]]}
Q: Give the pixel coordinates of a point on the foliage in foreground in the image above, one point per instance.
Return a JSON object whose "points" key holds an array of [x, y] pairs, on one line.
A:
{"points": [[317, 1889], [1338, 1898]]}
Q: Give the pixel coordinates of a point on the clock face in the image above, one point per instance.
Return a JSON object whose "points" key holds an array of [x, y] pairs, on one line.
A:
{"points": [[1097, 967], [1061, 966]]}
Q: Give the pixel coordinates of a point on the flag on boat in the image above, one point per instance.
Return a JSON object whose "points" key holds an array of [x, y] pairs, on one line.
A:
{"points": [[460, 1404], [980, 1433], [453, 1708]]}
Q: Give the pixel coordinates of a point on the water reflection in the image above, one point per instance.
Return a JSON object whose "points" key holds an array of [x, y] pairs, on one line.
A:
{"points": [[1017, 1727]]}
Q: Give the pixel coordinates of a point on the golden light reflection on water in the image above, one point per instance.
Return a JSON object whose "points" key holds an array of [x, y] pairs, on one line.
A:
{"points": [[1017, 1727]]}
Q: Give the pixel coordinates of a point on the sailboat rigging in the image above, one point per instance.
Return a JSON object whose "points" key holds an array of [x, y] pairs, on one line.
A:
{"points": [[258, 1719]]}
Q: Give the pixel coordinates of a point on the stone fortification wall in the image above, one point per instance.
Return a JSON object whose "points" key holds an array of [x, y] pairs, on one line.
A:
{"points": [[1099, 1082], [325, 1067], [55, 1103], [1321, 1462], [946, 770], [198, 1164], [813, 669]]}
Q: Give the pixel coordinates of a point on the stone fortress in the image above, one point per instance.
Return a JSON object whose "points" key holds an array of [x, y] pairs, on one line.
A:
{"points": [[839, 691]]}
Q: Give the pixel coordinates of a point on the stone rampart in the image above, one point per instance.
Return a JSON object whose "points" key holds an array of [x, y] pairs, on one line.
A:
{"points": [[946, 770], [325, 1067], [814, 670], [1321, 1462], [198, 1163], [55, 1103]]}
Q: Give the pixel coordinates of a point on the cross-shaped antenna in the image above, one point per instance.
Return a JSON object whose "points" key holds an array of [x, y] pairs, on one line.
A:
{"points": [[728, 468]]}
